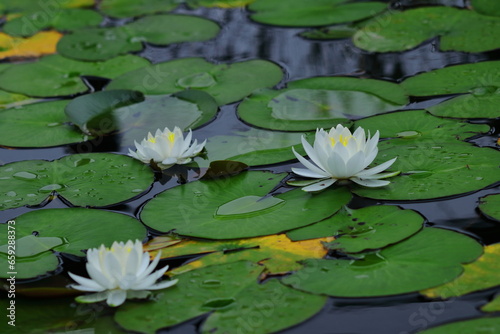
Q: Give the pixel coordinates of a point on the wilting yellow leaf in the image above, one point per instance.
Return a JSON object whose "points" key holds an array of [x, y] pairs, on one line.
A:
{"points": [[276, 252], [478, 275], [35, 46]]}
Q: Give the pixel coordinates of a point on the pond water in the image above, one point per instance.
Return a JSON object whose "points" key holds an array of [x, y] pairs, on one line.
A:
{"points": [[242, 39]]}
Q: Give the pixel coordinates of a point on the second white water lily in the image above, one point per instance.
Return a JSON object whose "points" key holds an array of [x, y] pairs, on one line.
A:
{"points": [[119, 272], [341, 155], [167, 148]]}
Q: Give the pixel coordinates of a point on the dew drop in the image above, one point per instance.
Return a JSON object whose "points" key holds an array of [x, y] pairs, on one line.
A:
{"points": [[25, 176]]}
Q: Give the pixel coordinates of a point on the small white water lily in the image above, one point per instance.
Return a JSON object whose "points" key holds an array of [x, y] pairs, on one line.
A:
{"points": [[340, 155], [120, 272], [167, 148]]}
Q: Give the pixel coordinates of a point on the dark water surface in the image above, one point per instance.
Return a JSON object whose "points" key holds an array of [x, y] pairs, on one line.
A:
{"points": [[242, 39]]}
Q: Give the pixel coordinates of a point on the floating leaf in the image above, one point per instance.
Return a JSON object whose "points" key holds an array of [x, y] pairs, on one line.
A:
{"points": [[226, 83], [58, 76], [29, 267], [253, 147], [11, 100], [105, 43], [276, 252], [320, 103], [196, 212], [130, 8], [427, 259], [477, 81], [92, 113], [493, 306], [312, 13], [40, 44], [479, 275], [364, 229], [486, 7], [90, 230], [490, 206], [92, 179], [30, 245], [231, 294], [46, 119], [28, 5], [459, 30], [61, 20], [474, 326], [218, 3]]}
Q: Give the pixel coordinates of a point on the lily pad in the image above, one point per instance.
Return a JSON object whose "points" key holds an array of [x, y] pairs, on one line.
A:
{"points": [[477, 81], [28, 5], [43, 43], [196, 212], [458, 29], [493, 306], [478, 275], [320, 103], [218, 3], [11, 100], [61, 20], [253, 147], [30, 245], [433, 170], [490, 206], [130, 8], [486, 7], [295, 13], [427, 259], [418, 126], [104, 43], [364, 229], [92, 179], [277, 253], [474, 326], [227, 83], [46, 119], [232, 296], [29, 267], [58, 76], [186, 109]]}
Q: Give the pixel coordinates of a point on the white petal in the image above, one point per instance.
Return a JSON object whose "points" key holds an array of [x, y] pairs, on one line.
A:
{"points": [[308, 165], [336, 166], [370, 183], [308, 173], [99, 277], [310, 152], [116, 297], [356, 163], [87, 284], [93, 298], [163, 285], [375, 170], [318, 186]]}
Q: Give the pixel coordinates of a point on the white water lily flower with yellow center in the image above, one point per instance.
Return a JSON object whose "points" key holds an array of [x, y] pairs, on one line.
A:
{"points": [[167, 148], [120, 272], [340, 155]]}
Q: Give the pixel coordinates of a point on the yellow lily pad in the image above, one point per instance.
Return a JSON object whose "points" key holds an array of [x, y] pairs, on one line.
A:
{"points": [[479, 275], [37, 45], [493, 306]]}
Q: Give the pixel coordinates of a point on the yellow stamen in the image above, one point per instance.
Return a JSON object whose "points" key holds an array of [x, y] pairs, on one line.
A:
{"points": [[152, 139], [171, 137], [332, 140]]}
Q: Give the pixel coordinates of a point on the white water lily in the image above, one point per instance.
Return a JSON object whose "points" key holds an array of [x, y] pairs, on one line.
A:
{"points": [[120, 272], [340, 155], [167, 148]]}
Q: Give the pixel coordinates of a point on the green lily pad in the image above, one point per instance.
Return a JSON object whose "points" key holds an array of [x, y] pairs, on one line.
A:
{"points": [[253, 147], [46, 119], [231, 294], [61, 20], [427, 259], [418, 126], [479, 275], [486, 7], [295, 13], [226, 83], [104, 43], [92, 112], [458, 29], [474, 326], [57, 76], [29, 267], [130, 8], [198, 204], [218, 3], [320, 103], [477, 81], [364, 229], [11, 100], [333, 32], [28, 5], [433, 170], [490, 206], [186, 109], [30, 245], [493, 306], [92, 179]]}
